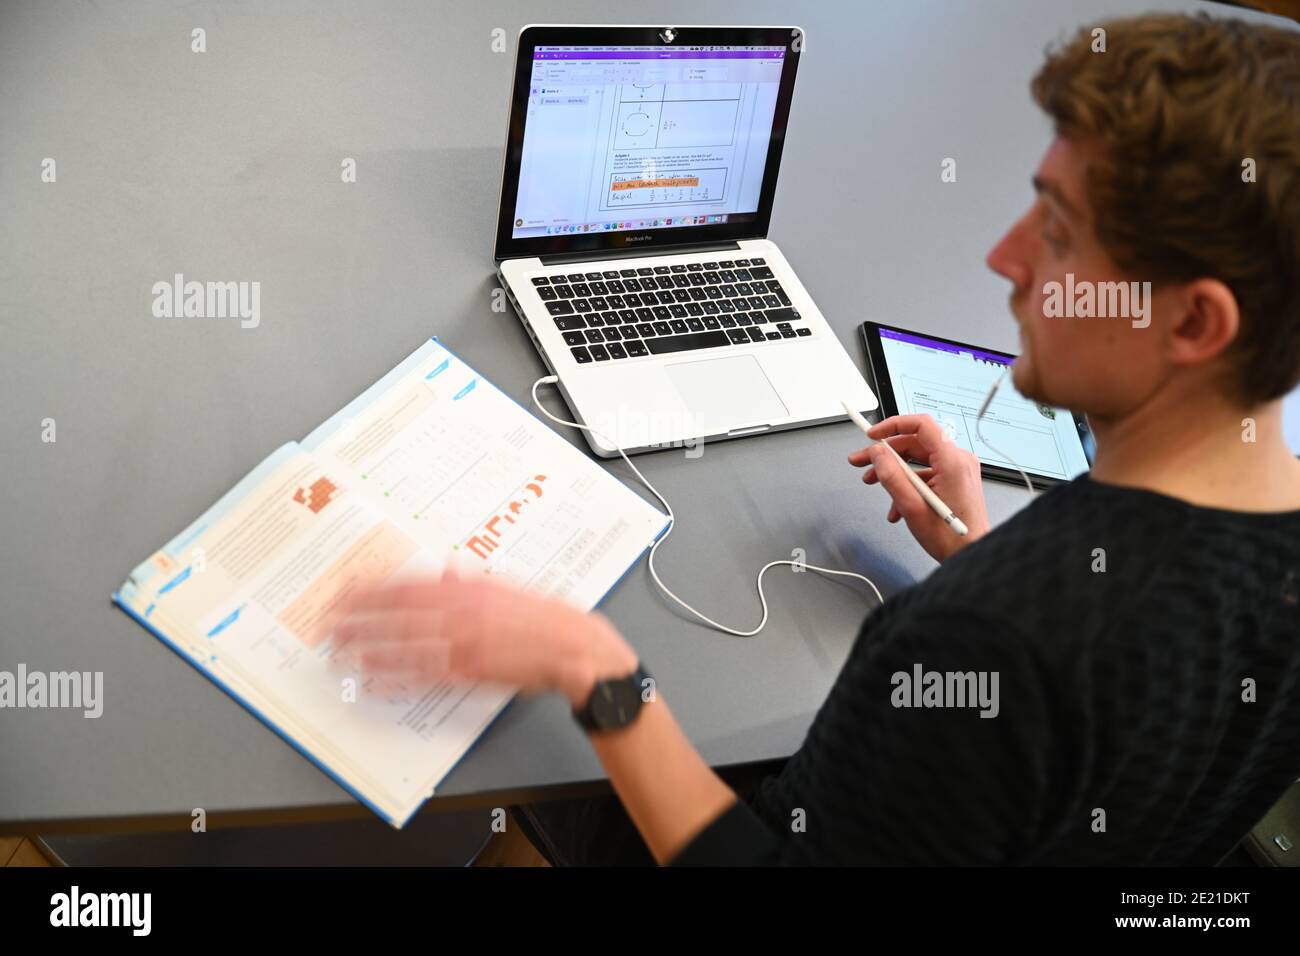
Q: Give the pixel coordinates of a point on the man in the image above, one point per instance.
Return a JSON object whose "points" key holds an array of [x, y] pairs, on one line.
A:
{"points": [[1138, 629]]}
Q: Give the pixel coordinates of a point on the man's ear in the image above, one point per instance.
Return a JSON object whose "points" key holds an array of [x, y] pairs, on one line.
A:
{"points": [[1205, 323]]}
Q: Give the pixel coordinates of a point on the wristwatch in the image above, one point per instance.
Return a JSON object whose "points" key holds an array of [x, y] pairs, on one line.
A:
{"points": [[613, 703]]}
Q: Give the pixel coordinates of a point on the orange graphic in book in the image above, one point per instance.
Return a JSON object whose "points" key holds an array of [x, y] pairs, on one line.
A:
{"points": [[316, 497], [489, 536]]}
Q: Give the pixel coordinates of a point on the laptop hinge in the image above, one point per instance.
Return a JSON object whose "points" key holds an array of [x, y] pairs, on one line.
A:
{"points": [[563, 257]]}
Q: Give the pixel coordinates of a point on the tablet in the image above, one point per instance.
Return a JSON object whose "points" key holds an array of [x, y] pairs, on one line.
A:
{"points": [[923, 374]]}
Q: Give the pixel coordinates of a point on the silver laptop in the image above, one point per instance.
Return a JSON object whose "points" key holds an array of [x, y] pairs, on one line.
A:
{"points": [[637, 189]]}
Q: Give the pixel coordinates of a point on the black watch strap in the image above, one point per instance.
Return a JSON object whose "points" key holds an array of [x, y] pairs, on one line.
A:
{"points": [[613, 703]]}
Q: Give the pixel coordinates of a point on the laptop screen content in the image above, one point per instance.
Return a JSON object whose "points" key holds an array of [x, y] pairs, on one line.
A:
{"points": [[639, 137]]}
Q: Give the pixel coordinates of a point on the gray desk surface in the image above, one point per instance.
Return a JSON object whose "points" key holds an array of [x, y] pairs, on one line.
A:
{"points": [[225, 165]]}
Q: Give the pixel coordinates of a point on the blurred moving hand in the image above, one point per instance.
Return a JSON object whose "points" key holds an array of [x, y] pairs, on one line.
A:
{"points": [[433, 627]]}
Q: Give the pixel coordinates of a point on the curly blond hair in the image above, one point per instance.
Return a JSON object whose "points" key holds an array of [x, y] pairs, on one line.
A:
{"points": [[1189, 110]]}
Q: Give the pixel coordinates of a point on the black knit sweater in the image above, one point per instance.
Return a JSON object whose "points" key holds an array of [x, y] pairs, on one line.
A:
{"points": [[1147, 713]]}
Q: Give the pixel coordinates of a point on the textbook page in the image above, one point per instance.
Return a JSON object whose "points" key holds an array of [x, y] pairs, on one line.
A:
{"points": [[429, 463], [464, 470], [243, 594]]}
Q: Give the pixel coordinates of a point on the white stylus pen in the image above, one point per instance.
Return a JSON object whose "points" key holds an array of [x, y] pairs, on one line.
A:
{"points": [[934, 501]]}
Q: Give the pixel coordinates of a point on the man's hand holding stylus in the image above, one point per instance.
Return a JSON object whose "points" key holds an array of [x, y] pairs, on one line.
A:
{"points": [[952, 472]]}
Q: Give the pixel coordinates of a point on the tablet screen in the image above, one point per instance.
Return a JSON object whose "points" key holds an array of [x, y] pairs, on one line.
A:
{"points": [[949, 382]]}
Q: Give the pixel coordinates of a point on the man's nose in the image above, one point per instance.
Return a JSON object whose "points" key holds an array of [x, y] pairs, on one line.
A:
{"points": [[1010, 258]]}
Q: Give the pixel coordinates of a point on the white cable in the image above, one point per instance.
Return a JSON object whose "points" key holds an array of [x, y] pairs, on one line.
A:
{"points": [[672, 523], [988, 399]]}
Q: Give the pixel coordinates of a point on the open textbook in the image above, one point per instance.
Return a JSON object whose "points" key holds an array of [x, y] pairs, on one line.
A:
{"points": [[430, 462]]}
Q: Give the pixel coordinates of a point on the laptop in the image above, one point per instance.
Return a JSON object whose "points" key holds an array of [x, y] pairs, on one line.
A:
{"points": [[637, 187]]}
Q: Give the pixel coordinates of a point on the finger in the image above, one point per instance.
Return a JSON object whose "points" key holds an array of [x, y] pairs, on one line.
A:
{"points": [[910, 446], [952, 459], [344, 602], [926, 429], [925, 474], [425, 659], [328, 622], [889, 472], [415, 592], [388, 627], [456, 568], [403, 591]]}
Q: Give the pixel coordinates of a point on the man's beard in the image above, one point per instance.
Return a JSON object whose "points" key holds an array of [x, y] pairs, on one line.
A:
{"points": [[1025, 381]]}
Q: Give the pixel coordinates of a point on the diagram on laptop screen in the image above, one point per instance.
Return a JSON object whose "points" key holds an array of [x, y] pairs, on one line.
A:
{"points": [[672, 144]]}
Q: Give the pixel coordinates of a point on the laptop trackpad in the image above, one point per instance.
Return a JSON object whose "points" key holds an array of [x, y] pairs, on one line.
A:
{"points": [[726, 393]]}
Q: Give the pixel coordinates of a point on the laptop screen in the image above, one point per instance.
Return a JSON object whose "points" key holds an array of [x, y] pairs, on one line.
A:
{"points": [[623, 141], [639, 137]]}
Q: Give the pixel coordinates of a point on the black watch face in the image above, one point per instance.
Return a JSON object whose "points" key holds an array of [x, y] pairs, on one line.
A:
{"points": [[615, 703]]}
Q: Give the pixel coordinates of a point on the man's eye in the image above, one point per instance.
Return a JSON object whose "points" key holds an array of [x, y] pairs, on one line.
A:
{"points": [[1058, 245]]}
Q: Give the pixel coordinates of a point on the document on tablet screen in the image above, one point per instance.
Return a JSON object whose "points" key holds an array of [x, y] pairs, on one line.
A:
{"points": [[949, 382]]}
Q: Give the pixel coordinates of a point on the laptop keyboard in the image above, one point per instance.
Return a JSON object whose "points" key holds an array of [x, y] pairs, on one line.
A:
{"points": [[630, 313]]}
